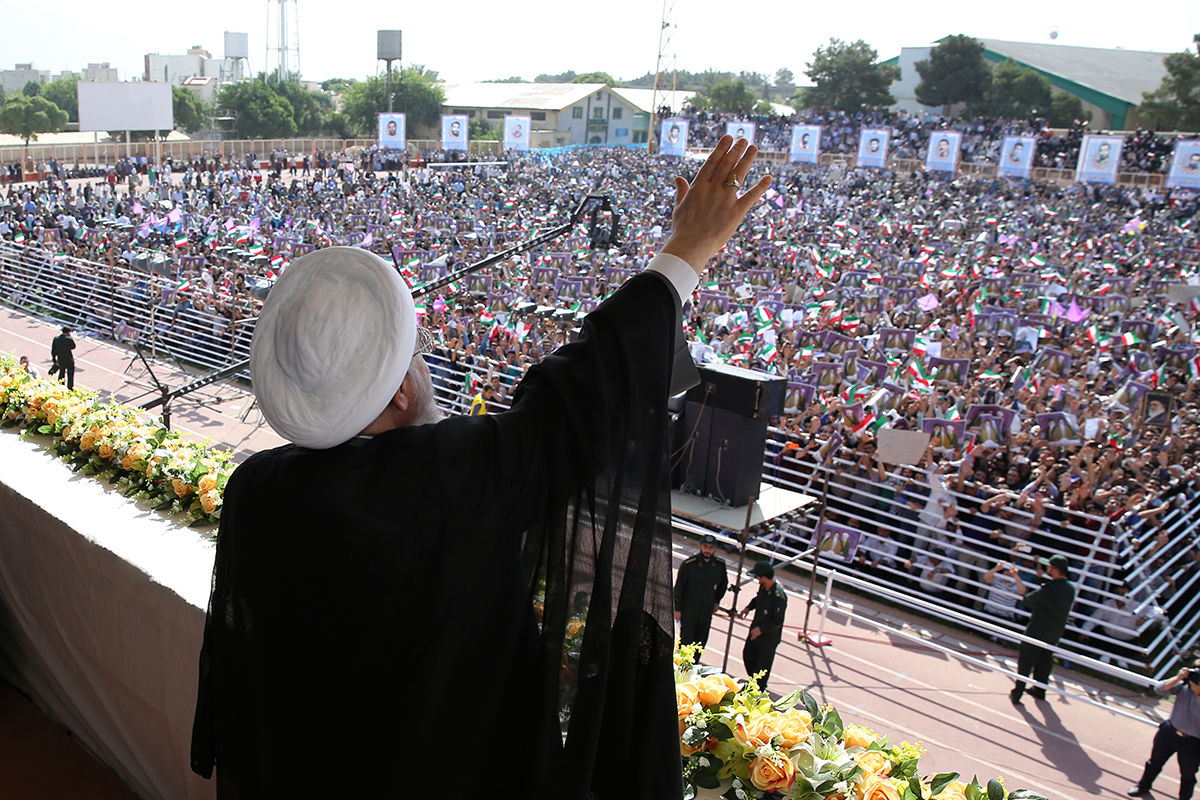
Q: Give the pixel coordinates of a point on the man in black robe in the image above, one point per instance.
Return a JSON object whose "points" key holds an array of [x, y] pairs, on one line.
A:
{"points": [[397, 600]]}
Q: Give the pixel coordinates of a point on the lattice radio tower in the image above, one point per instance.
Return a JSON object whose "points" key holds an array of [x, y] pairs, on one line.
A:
{"points": [[663, 66], [283, 39]]}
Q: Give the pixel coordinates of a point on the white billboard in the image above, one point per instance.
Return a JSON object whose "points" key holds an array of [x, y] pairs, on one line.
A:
{"points": [[125, 106]]}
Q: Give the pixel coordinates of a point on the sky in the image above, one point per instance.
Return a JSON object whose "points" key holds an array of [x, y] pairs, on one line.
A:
{"points": [[475, 40]]}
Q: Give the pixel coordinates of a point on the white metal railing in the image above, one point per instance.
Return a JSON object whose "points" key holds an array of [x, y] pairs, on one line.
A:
{"points": [[208, 330]]}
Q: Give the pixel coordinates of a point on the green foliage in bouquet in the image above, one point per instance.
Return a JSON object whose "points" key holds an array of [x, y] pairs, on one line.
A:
{"points": [[115, 443], [736, 740]]}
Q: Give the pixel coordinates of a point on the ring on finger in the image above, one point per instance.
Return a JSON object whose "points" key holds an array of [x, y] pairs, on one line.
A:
{"points": [[732, 181]]}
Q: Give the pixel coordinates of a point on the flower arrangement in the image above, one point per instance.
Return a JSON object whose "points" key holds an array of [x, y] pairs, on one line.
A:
{"points": [[111, 441], [739, 744]]}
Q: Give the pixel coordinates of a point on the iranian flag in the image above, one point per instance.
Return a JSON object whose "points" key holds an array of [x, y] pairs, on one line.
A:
{"points": [[1093, 334], [917, 370], [824, 270], [867, 421], [256, 250], [486, 316], [276, 260], [312, 223], [208, 240], [989, 375], [60, 258], [19, 238], [763, 315], [184, 285], [953, 413], [769, 353], [421, 308], [1193, 367], [1130, 338], [920, 346], [804, 354], [1039, 261], [397, 217], [181, 240]]}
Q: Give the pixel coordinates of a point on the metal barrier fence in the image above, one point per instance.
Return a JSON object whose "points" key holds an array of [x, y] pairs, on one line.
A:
{"points": [[908, 542]]}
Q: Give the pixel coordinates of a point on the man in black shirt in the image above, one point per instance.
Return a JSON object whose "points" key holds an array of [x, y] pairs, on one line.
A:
{"points": [[699, 587], [766, 631], [64, 359]]}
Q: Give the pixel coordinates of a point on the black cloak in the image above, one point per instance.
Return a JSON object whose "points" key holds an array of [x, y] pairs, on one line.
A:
{"points": [[481, 605]]}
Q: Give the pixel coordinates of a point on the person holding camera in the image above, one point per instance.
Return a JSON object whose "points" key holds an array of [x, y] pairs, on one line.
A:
{"points": [[1178, 735]]}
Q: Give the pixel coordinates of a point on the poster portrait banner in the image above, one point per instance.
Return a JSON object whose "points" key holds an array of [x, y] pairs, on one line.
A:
{"points": [[454, 131], [740, 130], [391, 131], [673, 137], [1098, 159], [1016, 157], [943, 151], [873, 147], [1185, 165], [516, 132], [836, 541], [806, 144]]}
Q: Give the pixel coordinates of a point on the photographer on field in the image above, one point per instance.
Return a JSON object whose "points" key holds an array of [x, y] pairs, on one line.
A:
{"points": [[1180, 734]]}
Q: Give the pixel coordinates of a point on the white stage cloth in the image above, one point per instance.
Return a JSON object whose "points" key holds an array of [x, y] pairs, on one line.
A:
{"points": [[101, 615]]}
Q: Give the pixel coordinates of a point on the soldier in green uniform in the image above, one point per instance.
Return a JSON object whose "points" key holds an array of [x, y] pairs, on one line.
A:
{"points": [[699, 587], [770, 606], [1049, 607]]}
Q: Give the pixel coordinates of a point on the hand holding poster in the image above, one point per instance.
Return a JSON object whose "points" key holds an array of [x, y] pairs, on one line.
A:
{"points": [[673, 138], [454, 131], [516, 132], [806, 144]]}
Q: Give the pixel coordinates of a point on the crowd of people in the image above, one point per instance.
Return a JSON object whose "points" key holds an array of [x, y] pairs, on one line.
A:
{"points": [[1043, 335]]}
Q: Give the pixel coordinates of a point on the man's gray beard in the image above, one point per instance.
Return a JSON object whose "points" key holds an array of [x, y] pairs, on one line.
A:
{"points": [[429, 414]]}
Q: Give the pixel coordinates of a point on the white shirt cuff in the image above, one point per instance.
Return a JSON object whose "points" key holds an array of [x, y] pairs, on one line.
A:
{"points": [[678, 272]]}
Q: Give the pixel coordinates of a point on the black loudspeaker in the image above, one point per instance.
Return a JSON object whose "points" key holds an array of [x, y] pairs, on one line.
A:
{"points": [[742, 391], [724, 433]]}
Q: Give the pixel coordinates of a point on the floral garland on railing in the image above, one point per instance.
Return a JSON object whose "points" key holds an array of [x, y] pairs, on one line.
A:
{"points": [[738, 743], [114, 442]]}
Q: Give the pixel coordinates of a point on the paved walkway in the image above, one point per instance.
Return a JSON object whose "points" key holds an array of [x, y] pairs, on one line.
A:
{"points": [[1065, 748]]}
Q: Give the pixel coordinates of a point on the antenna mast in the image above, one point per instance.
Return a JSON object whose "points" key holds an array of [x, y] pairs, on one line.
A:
{"points": [[665, 55]]}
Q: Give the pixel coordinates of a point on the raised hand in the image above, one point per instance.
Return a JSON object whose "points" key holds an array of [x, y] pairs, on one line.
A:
{"points": [[709, 209]]}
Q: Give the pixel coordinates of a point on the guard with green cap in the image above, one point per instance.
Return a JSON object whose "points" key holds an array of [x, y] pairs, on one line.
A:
{"points": [[766, 630], [699, 587], [1048, 607]]}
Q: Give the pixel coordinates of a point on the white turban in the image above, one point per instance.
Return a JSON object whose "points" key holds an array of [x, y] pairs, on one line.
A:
{"points": [[332, 345]]}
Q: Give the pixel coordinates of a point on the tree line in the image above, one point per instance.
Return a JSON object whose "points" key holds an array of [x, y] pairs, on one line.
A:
{"points": [[846, 76]]}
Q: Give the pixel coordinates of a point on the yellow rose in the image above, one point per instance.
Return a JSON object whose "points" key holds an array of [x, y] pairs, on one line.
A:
{"points": [[182, 489], [954, 790], [105, 451], [573, 627], [87, 441], [794, 727], [870, 786], [858, 736], [756, 731], [773, 773], [874, 761], [713, 689], [686, 695], [207, 483], [209, 501]]}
